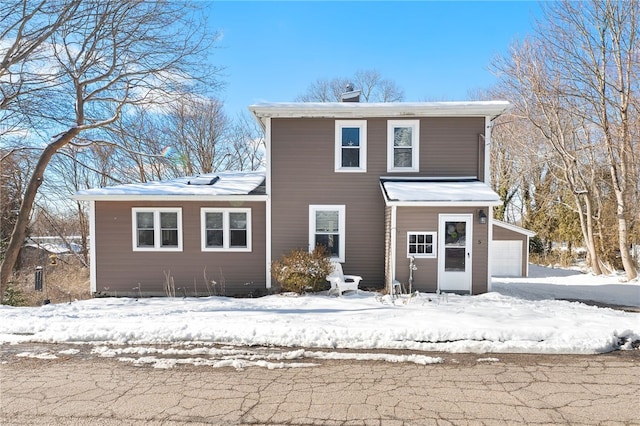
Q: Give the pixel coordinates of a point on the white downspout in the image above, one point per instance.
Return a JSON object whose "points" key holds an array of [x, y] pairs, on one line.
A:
{"points": [[487, 150], [489, 248], [267, 146], [393, 247], [487, 180], [92, 247]]}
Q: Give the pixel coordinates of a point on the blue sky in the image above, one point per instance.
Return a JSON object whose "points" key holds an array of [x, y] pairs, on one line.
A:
{"points": [[435, 51]]}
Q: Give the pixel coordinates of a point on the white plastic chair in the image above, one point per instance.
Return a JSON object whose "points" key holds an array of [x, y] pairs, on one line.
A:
{"points": [[341, 282]]}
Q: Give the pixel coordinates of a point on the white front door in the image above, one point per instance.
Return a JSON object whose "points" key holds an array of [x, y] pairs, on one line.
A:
{"points": [[454, 252]]}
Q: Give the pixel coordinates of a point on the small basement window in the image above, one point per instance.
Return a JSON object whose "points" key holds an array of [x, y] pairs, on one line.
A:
{"points": [[421, 244]]}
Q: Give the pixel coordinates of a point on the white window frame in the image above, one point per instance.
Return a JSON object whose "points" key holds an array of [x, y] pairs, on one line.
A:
{"points": [[434, 240], [362, 125], [226, 229], [157, 230], [341, 209], [415, 145]]}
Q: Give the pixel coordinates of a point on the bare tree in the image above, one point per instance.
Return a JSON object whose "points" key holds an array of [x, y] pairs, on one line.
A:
{"points": [[247, 144], [199, 128], [595, 48], [106, 57], [26, 29], [536, 99], [373, 87]]}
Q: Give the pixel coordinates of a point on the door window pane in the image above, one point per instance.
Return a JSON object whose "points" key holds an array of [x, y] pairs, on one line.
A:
{"points": [[454, 259], [456, 233]]}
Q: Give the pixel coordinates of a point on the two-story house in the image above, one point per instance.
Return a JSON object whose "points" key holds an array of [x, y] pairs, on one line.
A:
{"points": [[376, 183]]}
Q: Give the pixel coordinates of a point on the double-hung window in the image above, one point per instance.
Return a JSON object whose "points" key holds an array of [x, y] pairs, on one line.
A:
{"points": [[327, 228], [421, 244], [351, 146], [403, 145], [157, 229], [225, 229]]}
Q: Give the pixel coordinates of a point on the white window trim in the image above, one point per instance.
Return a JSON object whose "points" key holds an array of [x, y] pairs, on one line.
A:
{"points": [[434, 239], [362, 125], [157, 232], [415, 145], [225, 229], [341, 209]]}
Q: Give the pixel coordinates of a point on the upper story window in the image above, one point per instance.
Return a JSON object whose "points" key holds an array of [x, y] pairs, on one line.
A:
{"points": [[351, 146], [157, 229], [403, 145], [225, 229], [327, 228]]}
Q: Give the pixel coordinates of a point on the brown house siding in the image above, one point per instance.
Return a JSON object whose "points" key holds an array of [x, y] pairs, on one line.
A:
{"points": [[426, 219], [302, 173], [121, 269]]}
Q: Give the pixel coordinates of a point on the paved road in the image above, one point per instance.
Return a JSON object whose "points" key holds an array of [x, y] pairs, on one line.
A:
{"points": [[83, 389]]}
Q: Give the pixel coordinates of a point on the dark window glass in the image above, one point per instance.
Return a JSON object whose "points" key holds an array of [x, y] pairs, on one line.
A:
{"points": [[215, 238], [402, 157], [331, 242], [214, 228], [350, 157], [145, 238]]}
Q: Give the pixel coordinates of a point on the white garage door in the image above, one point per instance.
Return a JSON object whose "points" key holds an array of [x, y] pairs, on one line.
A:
{"points": [[506, 258]]}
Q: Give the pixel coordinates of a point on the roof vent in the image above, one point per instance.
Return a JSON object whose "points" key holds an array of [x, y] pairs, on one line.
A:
{"points": [[203, 180], [351, 95]]}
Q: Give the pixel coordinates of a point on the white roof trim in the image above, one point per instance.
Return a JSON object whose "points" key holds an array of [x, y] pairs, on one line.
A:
{"points": [[185, 197], [513, 228], [381, 109]]}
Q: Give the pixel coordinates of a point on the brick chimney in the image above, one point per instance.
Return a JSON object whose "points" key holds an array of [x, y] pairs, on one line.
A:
{"points": [[350, 95]]}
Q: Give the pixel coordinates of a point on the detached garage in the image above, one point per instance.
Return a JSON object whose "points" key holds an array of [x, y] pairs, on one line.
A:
{"points": [[510, 250]]}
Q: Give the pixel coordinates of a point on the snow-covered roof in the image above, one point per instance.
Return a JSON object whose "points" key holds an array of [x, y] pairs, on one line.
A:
{"points": [[214, 185], [56, 248], [436, 192], [380, 109], [514, 228]]}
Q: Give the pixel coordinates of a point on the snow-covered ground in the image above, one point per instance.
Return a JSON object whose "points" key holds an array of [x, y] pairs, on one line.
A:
{"points": [[519, 315]]}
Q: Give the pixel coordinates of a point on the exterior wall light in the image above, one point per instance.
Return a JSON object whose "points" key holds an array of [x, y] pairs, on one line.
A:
{"points": [[482, 217]]}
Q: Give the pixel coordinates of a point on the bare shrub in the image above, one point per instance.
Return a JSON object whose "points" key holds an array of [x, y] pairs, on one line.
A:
{"points": [[63, 283], [300, 271]]}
